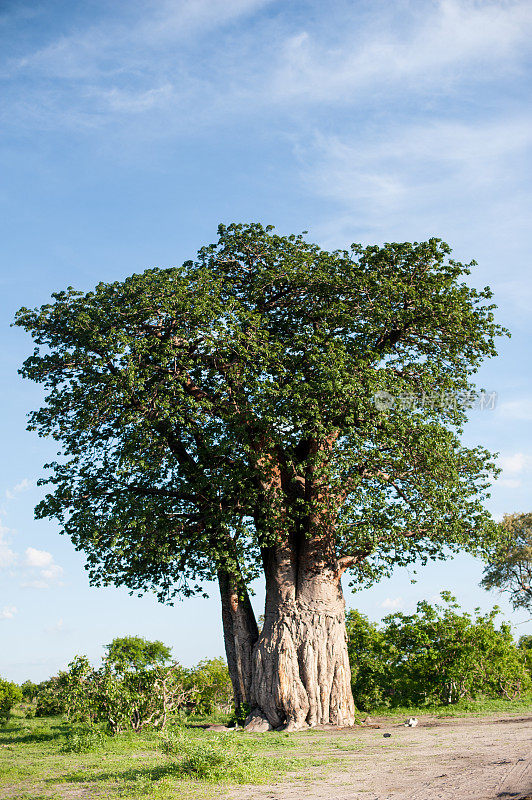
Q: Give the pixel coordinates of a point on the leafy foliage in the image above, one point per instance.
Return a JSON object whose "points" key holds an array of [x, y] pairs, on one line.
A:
{"points": [[128, 653], [83, 740], [204, 411], [29, 690], [132, 699], [10, 694], [220, 757], [212, 686], [134, 688], [437, 655], [509, 565], [525, 645], [369, 658], [50, 701]]}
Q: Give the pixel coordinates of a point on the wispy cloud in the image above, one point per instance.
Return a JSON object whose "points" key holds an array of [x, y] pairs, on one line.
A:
{"points": [[510, 483], [413, 167], [119, 48], [430, 40], [8, 612], [515, 467], [22, 486], [517, 409], [517, 462], [57, 628], [157, 58]]}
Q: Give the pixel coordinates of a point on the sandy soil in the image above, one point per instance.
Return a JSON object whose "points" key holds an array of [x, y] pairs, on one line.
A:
{"points": [[450, 759]]}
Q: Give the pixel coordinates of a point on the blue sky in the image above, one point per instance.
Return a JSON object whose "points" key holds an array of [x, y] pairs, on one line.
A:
{"points": [[129, 130]]}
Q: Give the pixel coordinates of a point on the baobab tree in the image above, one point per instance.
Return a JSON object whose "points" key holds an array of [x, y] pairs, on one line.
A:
{"points": [[270, 408]]}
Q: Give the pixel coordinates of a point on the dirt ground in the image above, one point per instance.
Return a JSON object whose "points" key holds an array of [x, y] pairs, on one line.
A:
{"points": [[449, 759]]}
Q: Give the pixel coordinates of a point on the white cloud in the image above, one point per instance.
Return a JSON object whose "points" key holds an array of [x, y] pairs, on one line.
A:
{"points": [[107, 51], [24, 484], [156, 58], [35, 584], [42, 562], [413, 165], [517, 462], [392, 603], [8, 612], [518, 409], [131, 102], [413, 47], [58, 627], [38, 558], [52, 573]]}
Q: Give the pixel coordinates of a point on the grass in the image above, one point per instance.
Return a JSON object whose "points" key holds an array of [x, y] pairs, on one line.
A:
{"points": [[469, 708], [50, 758]]}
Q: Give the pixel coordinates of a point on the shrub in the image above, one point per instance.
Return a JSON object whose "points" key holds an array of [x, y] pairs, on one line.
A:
{"points": [[134, 688], [50, 699], [436, 655], [215, 758], [525, 646], [122, 699], [29, 690], [211, 687], [367, 650], [10, 694], [83, 741]]}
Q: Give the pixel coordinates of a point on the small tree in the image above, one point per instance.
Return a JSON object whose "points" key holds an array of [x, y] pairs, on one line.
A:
{"points": [[509, 565], [77, 689], [128, 653], [10, 694], [442, 655], [130, 698]]}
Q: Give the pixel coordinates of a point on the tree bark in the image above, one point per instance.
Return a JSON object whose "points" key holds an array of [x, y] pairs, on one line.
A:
{"points": [[240, 635], [301, 672]]}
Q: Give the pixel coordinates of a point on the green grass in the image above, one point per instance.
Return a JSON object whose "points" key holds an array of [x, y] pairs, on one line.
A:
{"points": [[50, 758], [469, 708]]}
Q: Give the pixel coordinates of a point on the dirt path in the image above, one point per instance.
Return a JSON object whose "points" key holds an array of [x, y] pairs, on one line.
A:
{"points": [[451, 759]]}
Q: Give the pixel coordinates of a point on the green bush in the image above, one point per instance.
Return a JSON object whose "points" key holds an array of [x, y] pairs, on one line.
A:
{"points": [[525, 646], [213, 758], [30, 690], [134, 688], [211, 685], [368, 657], [435, 656], [10, 694], [83, 741], [50, 699]]}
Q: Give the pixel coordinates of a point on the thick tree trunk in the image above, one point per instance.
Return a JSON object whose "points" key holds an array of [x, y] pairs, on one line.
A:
{"points": [[240, 635], [301, 673]]}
